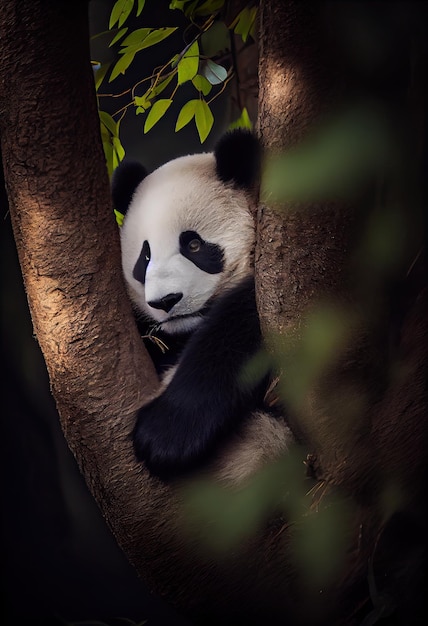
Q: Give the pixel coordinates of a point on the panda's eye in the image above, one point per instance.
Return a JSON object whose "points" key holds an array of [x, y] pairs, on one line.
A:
{"points": [[194, 245], [205, 255]]}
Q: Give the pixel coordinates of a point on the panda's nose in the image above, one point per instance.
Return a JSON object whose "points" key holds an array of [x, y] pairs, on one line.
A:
{"points": [[167, 302]]}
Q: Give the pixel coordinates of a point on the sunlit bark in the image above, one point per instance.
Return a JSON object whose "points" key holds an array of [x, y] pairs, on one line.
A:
{"points": [[68, 247]]}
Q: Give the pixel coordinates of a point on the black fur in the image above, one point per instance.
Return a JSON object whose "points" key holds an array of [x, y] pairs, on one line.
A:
{"points": [[163, 359], [207, 397], [126, 178], [238, 157], [209, 257]]}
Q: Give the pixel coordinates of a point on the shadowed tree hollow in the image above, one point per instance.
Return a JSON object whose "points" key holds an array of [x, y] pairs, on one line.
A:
{"points": [[362, 417]]}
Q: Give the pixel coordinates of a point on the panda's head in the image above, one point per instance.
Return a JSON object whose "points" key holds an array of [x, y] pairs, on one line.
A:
{"points": [[187, 233]]}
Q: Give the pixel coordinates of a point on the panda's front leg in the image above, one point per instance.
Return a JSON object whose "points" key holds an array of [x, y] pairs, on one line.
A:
{"points": [[208, 396], [171, 436], [162, 439], [182, 428]]}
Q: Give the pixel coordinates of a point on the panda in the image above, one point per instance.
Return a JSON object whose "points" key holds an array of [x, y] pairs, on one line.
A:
{"points": [[187, 243]]}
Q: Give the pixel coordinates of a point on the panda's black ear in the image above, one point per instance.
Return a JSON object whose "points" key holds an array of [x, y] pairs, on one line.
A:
{"points": [[238, 158], [126, 178]]}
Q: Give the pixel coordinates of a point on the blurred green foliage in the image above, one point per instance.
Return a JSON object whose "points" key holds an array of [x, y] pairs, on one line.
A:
{"points": [[354, 154], [226, 518], [358, 153], [334, 161], [231, 515]]}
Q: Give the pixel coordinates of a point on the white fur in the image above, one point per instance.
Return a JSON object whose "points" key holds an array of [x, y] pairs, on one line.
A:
{"points": [[262, 440], [185, 194]]}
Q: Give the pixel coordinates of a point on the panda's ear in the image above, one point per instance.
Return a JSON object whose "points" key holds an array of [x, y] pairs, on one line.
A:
{"points": [[238, 158], [126, 178]]}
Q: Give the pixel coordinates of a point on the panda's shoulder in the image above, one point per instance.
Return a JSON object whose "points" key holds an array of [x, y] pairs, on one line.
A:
{"points": [[231, 320], [233, 302]]}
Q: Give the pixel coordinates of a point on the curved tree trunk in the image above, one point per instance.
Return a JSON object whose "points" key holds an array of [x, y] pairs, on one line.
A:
{"points": [[302, 251], [364, 416], [68, 248], [299, 79], [305, 252]]}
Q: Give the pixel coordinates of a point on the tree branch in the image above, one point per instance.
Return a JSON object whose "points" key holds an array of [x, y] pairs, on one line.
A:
{"points": [[68, 248]]}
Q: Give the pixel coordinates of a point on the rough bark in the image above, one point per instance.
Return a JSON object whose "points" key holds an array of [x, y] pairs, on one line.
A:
{"points": [[303, 257], [68, 249], [304, 251]]}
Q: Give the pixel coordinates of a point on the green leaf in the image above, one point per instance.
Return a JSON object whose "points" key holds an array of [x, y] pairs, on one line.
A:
{"points": [[121, 66], [119, 217], [202, 84], [142, 38], [108, 154], [161, 85], [178, 4], [115, 162], [188, 65], [120, 12], [157, 111], [119, 149], [204, 119], [244, 24], [158, 35], [100, 74], [243, 121], [152, 38], [137, 36], [214, 73], [209, 7], [199, 110], [105, 135], [181, 6], [108, 122], [140, 6], [142, 103], [186, 114], [118, 35], [113, 149], [174, 61]]}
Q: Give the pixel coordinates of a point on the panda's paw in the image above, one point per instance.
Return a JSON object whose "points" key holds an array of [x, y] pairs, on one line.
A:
{"points": [[167, 443]]}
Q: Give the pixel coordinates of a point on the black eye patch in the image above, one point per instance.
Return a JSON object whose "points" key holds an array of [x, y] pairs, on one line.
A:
{"points": [[140, 268], [207, 256]]}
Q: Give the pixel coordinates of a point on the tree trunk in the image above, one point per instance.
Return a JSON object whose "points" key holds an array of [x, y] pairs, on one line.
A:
{"points": [[299, 78], [364, 417], [68, 248], [304, 251]]}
